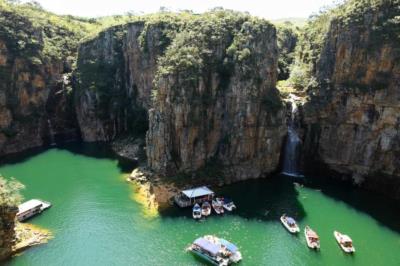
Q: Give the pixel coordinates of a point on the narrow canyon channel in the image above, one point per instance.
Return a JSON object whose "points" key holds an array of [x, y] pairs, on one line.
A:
{"points": [[96, 220]]}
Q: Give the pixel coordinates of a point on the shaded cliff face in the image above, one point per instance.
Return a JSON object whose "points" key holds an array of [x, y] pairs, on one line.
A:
{"points": [[352, 119], [116, 72], [31, 85], [215, 104], [7, 231]]}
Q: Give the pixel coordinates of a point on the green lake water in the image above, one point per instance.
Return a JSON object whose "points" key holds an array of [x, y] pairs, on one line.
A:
{"points": [[95, 220]]}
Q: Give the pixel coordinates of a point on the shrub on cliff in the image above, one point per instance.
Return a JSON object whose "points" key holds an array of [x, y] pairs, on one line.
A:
{"points": [[10, 192]]}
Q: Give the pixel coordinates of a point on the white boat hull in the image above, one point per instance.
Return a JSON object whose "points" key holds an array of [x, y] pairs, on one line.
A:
{"points": [[344, 248], [218, 208], [311, 244], [293, 230]]}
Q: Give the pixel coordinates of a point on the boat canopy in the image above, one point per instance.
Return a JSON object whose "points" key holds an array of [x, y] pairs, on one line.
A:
{"points": [[210, 247], [290, 220], [197, 192], [229, 246]]}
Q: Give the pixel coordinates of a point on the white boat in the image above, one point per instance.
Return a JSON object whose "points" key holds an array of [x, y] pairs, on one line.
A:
{"points": [[205, 209], [312, 238], [290, 224], [344, 242], [229, 205], [217, 206], [196, 212], [216, 251], [31, 208]]}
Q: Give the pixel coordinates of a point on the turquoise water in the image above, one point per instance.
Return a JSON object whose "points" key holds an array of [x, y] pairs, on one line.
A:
{"points": [[95, 221]]}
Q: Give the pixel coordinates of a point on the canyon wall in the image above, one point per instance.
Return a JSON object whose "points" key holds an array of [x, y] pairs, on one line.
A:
{"points": [[7, 231], [352, 118], [116, 72], [215, 105], [34, 104]]}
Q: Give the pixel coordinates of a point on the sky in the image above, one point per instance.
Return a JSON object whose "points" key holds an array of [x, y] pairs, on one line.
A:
{"points": [[269, 9]]}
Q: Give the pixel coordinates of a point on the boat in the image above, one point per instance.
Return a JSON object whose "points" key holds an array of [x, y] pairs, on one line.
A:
{"points": [[290, 224], [216, 251], [344, 242], [312, 238], [196, 211], [205, 209], [217, 206], [31, 208], [229, 205]]}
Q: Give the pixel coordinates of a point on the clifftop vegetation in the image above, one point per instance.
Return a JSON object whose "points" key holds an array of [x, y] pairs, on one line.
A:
{"points": [[9, 192], [353, 13]]}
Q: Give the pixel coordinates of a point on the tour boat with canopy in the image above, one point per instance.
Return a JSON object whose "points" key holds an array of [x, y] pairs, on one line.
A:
{"points": [[216, 251]]}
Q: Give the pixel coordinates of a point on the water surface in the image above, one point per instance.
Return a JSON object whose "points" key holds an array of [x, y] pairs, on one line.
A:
{"points": [[95, 220]]}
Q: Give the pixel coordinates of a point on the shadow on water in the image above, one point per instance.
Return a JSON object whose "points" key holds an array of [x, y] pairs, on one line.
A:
{"points": [[386, 211], [95, 150], [261, 199]]}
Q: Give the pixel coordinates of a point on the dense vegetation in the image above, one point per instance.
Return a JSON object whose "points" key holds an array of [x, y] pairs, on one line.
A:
{"points": [[9, 192], [352, 13], [287, 35]]}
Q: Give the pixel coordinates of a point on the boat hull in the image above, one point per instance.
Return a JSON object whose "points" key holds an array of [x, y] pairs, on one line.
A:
{"points": [[349, 250], [292, 230], [218, 208], [311, 244]]}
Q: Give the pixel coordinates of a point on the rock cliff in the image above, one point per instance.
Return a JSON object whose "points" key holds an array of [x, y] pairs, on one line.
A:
{"points": [[352, 118], [116, 72], [35, 107], [7, 231], [215, 105]]}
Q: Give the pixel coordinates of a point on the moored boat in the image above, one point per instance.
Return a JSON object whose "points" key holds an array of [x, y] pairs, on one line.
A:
{"points": [[312, 238], [31, 208], [290, 224], [216, 251], [196, 212], [217, 206], [229, 205], [205, 209], [344, 242]]}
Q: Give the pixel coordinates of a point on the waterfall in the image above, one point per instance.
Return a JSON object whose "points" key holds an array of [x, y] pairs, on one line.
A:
{"points": [[292, 147], [51, 133]]}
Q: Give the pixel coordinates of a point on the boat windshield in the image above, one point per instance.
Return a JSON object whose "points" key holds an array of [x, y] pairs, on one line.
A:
{"points": [[348, 244]]}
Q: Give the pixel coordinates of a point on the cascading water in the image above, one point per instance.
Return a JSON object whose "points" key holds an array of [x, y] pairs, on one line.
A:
{"points": [[292, 147], [51, 133]]}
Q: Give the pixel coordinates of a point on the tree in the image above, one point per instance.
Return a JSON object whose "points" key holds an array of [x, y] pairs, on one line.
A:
{"points": [[10, 192]]}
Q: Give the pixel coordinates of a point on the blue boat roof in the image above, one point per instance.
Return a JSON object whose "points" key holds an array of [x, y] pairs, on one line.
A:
{"points": [[197, 192], [229, 246], [290, 220], [208, 246]]}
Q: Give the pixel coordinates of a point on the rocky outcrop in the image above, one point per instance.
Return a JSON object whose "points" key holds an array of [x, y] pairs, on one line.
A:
{"points": [[7, 232], [116, 72], [352, 119], [218, 109], [33, 95]]}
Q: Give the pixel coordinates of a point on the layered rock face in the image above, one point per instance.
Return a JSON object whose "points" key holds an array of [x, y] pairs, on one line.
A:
{"points": [[353, 120], [219, 108], [32, 91], [7, 231], [116, 73]]}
